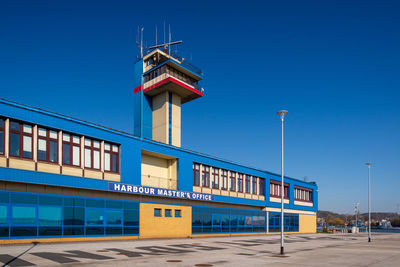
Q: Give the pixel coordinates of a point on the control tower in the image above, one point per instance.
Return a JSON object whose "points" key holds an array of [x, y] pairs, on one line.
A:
{"points": [[163, 82]]}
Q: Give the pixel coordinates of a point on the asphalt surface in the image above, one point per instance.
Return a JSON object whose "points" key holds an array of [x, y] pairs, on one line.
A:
{"points": [[301, 250]]}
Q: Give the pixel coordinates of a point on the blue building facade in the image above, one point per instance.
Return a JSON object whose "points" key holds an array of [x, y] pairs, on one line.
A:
{"points": [[65, 179]]}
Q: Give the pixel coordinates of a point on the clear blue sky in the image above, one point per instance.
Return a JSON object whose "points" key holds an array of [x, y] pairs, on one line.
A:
{"points": [[333, 64]]}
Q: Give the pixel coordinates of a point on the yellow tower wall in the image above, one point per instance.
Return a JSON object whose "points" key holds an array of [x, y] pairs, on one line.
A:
{"points": [[164, 227], [307, 224]]}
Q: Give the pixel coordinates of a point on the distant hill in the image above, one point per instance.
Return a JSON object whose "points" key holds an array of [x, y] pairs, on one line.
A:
{"points": [[375, 216]]}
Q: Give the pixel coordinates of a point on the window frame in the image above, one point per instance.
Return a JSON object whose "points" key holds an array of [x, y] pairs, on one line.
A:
{"points": [[111, 152], [21, 134], [3, 129], [205, 176], [215, 178], [277, 183], [47, 138], [157, 212], [224, 179], [71, 149], [92, 149], [247, 184], [240, 182], [300, 191], [232, 178], [261, 186], [196, 170], [254, 182]]}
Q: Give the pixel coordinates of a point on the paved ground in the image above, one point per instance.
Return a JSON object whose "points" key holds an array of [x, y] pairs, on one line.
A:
{"points": [[301, 250]]}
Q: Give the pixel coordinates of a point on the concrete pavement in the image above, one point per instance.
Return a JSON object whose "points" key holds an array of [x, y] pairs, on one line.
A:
{"points": [[301, 250]]}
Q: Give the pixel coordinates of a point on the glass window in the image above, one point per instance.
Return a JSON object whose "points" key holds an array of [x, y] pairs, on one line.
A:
{"points": [[215, 178], [168, 213], [254, 187], [261, 190], [233, 181], [20, 134], [74, 216], [94, 216], [107, 161], [111, 157], [206, 176], [14, 144], [71, 150], [196, 174], [240, 183], [92, 153], [178, 213], [47, 145], [23, 215], [247, 184], [3, 214], [131, 217], [114, 217], [50, 216], [66, 158], [1, 136], [157, 212]]}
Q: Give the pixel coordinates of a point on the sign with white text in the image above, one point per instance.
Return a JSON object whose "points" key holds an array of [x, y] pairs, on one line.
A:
{"points": [[160, 192]]}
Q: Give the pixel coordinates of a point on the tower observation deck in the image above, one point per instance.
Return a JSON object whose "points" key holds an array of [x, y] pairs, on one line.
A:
{"points": [[163, 82]]}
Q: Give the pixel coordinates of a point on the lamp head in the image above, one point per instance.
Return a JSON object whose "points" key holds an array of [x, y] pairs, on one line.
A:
{"points": [[368, 163], [282, 112]]}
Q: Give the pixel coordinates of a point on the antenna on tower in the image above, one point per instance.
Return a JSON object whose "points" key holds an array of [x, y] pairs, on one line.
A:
{"points": [[164, 32], [169, 47], [156, 34]]}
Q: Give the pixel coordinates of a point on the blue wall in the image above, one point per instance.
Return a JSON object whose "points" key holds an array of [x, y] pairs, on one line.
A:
{"points": [[130, 165]]}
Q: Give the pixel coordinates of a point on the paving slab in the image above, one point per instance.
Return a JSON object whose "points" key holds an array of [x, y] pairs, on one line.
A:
{"points": [[301, 250]]}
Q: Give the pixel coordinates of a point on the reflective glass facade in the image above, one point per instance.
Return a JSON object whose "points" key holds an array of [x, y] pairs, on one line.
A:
{"points": [[221, 220], [43, 215], [291, 222]]}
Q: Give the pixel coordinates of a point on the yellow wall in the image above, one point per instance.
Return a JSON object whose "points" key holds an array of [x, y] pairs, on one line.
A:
{"points": [[176, 120], [307, 223], [159, 172], [160, 117], [164, 227]]}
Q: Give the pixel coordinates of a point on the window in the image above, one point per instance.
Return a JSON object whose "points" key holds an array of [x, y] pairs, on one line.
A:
{"points": [[114, 217], [2, 136], [240, 182], [254, 187], [224, 179], [247, 184], [196, 174], [291, 222], [275, 189], [206, 176], [303, 194], [47, 145], [215, 178], [3, 214], [178, 213], [71, 148], [21, 137], [94, 216], [92, 154], [233, 181], [111, 157], [157, 212], [168, 213], [261, 190], [23, 215], [50, 216]]}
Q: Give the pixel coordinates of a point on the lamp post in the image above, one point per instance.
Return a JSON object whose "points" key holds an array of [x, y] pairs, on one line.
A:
{"points": [[369, 164], [282, 114]]}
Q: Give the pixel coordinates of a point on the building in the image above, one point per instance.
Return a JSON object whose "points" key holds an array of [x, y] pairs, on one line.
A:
{"points": [[66, 179]]}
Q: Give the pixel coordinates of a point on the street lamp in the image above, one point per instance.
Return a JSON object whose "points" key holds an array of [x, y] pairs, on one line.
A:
{"points": [[369, 164], [282, 114]]}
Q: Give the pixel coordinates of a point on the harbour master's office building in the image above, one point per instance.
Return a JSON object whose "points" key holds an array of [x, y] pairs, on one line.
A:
{"points": [[66, 179]]}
